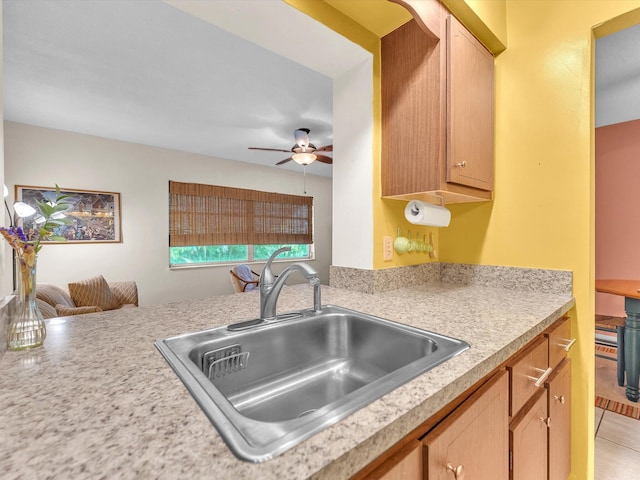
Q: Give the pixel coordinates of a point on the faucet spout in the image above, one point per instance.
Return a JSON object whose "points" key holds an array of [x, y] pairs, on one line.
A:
{"points": [[270, 289]]}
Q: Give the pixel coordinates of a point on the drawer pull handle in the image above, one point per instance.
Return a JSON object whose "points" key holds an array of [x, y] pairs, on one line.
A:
{"points": [[559, 398], [546, 421], [458, 472], [462, 164], [568, 345], [540, 381]]}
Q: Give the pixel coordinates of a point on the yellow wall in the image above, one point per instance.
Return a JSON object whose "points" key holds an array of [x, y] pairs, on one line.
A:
{"points": [[543, 208], [542, 214]]}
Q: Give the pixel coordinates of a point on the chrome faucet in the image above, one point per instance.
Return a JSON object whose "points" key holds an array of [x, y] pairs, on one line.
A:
{"points": [[270, 287]]}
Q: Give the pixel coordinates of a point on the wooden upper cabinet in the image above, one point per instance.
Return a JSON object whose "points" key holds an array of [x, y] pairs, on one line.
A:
{"points": [[472, 442], [470, 117], [437, 110]]}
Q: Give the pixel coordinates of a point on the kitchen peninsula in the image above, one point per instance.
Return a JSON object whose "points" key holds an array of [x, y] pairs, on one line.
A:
{"points": [[98, 400]]}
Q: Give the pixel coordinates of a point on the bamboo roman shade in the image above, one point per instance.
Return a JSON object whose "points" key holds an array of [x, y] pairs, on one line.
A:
{"points": [[213, 215]]}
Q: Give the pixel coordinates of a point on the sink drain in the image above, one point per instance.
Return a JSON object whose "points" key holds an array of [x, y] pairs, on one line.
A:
{"points": [[307, 412]]}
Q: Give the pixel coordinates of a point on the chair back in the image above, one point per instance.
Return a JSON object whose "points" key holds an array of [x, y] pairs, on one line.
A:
{"points": [[243, 278]]}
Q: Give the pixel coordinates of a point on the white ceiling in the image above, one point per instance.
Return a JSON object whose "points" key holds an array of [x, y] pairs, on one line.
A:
{"points": [[147, 72], [150, 73], [618, 77]]}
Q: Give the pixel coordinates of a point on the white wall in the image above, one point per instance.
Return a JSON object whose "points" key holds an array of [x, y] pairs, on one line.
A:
{"points": [[353, 173], [351, 68], [5, 250], [43, 157]]}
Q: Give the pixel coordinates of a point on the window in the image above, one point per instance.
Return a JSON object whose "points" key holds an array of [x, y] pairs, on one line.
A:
{"points": [[213, 224], [194, 255]]}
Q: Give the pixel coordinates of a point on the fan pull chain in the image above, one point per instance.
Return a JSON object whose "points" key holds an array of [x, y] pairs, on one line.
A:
{"points": [[304, 178]]}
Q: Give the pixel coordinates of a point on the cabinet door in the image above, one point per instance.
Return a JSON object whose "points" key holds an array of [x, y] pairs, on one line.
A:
{"points": [[473, 440], [470, 125], [559, 398], [404, 465], [529, 441]]}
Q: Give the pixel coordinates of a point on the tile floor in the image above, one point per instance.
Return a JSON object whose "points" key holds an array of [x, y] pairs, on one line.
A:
{"points": [[617, 446]]}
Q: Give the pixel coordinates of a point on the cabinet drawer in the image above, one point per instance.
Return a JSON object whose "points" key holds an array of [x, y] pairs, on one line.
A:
{"points": [[559, 343], [473, 440], [528, 367]]}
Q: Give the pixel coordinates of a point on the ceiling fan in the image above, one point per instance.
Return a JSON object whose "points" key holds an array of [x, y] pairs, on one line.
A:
{"points": [[303, 152]]}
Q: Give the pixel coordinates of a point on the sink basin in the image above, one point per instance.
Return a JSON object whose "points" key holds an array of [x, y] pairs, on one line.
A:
{"points": [[266, 386]]}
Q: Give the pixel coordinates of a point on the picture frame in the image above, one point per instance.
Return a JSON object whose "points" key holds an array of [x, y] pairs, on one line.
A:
{"points": [[95, 216]]}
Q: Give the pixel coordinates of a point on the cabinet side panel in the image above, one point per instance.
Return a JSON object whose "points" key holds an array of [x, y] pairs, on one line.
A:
{"points": [[411, 111]]}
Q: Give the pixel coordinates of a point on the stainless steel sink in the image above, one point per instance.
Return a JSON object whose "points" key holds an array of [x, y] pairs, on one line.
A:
{"points": [[266, 386]]}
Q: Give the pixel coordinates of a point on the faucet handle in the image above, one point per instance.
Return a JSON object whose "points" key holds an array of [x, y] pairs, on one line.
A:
{"points": [[267, 277]]}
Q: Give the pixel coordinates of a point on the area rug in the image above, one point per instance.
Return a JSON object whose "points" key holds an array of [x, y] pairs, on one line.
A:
{"points": [[610, 396]]}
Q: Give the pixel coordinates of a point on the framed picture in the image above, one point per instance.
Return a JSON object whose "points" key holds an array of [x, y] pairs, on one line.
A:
{"points": [[95, 216]]}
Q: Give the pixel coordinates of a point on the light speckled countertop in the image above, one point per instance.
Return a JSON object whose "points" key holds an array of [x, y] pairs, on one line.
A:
{"points": [[99, 401]]}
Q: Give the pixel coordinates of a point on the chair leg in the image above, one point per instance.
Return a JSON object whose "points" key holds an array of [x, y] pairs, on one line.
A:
{"points": [[620, 355]]}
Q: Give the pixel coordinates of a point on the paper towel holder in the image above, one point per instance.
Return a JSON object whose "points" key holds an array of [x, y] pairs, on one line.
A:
{"points": [[441, 203], [425, 213]]}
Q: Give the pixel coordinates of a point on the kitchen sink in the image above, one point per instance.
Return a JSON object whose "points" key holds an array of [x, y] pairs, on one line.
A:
{"points": [[268, 385]]}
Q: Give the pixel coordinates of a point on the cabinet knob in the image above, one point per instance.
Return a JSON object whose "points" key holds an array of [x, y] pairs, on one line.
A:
{"points": [[458, 472], [559, 398], [462, 164], [546, 421]]}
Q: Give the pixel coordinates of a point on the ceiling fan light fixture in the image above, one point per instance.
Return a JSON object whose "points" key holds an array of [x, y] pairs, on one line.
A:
{"points": [[301, 136], [304, 158]]}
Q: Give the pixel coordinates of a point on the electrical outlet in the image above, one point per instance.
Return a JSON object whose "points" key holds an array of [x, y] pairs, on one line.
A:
{"points": [[387, 248]]}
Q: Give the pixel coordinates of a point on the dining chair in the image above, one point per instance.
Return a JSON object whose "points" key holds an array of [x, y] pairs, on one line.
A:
{"points": [[243, 278]]}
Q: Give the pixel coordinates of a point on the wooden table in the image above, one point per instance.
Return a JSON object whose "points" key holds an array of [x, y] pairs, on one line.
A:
{"points": [[630, 290]]}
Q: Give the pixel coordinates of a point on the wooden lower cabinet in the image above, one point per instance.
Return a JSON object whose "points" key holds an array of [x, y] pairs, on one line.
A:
{"points": [[515, 424], [540, 427], [472, 442]]}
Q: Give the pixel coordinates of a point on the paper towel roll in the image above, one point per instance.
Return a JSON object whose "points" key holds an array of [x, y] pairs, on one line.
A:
{"points": [[421, 213]]}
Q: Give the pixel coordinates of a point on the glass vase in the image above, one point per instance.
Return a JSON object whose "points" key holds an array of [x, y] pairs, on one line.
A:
{"points": [[26, 326]]}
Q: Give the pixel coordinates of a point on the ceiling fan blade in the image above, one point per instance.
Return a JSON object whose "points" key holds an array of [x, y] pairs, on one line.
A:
{"points": [[269, 149], [284, 161], [324, 159], [326, 148]]}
